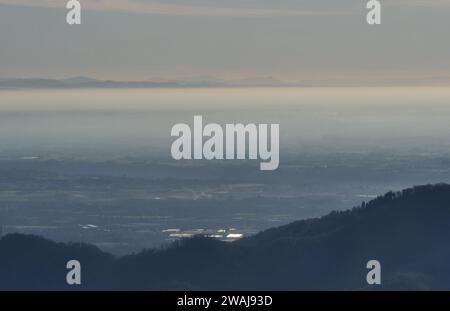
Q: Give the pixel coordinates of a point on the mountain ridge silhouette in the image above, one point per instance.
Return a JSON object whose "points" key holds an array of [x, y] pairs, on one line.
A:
{"points": [[407, 232]]}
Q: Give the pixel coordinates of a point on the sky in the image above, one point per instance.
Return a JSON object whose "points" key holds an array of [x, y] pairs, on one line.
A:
{"points": [[301, 41]]}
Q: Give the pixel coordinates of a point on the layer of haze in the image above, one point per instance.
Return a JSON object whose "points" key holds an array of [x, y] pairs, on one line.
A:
{"points": [[111, 124]]}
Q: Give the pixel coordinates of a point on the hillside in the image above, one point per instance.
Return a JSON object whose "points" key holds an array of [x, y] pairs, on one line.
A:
{"points": [[407, 232]]}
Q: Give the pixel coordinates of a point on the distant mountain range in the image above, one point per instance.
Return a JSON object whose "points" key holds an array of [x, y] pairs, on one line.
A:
{"points": [[85, 82], [408, 232]]}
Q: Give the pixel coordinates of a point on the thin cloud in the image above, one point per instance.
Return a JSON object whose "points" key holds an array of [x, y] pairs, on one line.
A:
{"points": [[153, 7]]}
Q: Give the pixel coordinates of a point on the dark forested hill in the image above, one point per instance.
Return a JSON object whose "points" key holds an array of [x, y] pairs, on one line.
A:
{"points": [[407, 232]]}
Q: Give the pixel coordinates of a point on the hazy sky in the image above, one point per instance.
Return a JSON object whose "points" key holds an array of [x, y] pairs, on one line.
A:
{"points": [[293, 40]]}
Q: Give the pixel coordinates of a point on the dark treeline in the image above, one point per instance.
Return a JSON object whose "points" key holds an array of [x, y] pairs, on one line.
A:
{"points": [[408, 232]]}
